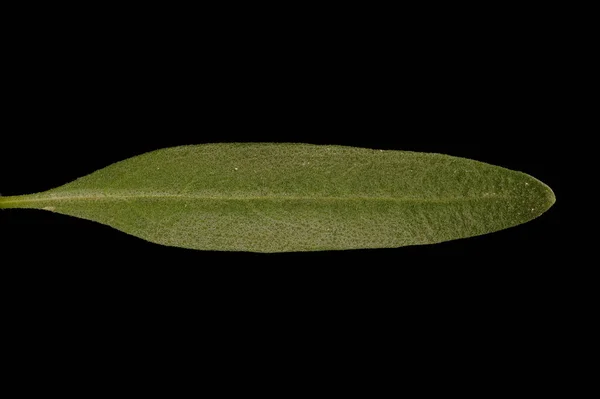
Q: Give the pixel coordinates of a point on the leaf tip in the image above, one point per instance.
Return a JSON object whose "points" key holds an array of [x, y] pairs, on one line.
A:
{"points": [[545, 198], [550, 197]]}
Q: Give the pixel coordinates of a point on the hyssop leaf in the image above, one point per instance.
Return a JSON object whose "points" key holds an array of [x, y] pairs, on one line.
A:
{"points": [[297, 197]]}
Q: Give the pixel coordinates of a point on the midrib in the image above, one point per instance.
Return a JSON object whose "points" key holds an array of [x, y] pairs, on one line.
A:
{"points": [[120, 197]]}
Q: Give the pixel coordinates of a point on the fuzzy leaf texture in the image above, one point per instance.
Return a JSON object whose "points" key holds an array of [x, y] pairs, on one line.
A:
{"points": [[268, 197]]}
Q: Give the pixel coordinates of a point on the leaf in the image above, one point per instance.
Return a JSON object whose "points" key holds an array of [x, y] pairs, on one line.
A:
{"points": [[297, 197]]}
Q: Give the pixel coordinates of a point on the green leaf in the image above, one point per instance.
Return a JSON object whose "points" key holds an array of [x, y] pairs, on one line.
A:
{"points": [[297, 197]]}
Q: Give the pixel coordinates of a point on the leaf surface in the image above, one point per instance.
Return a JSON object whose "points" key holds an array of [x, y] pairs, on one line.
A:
{"points": [[265, 197]]}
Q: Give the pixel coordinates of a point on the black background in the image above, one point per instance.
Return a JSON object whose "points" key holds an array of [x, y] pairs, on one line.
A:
{"points": [[81, 95]]}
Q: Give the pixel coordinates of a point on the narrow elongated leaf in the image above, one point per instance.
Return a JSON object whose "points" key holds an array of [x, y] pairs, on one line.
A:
{"points": [[297, 197]]}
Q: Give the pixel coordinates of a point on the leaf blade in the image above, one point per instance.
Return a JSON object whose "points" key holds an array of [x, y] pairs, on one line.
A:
{"points": [[298, 197]]}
